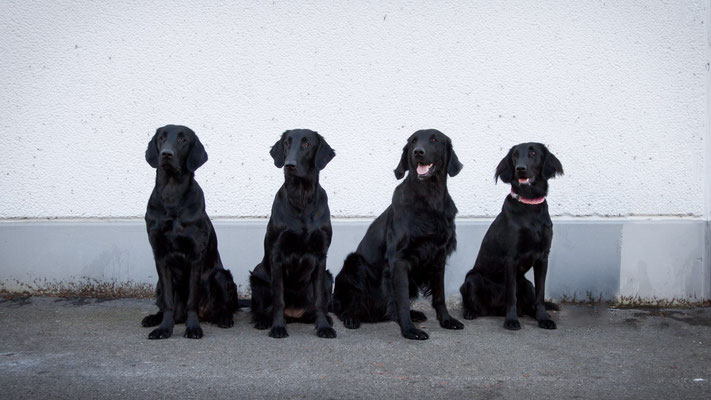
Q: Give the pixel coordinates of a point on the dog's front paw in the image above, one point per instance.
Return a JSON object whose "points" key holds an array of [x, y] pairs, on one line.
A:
{"points": [[193, 332], [152, 320], [160, 333], [278, 332], [351, 323], [451, 323], [326, 332], [546, 324], [468, 314], [512, 324], [225, 321], [417, 316], [415, 334]]}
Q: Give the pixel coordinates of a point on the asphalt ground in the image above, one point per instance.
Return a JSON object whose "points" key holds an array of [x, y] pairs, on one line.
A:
{"points": [[89, 348]]}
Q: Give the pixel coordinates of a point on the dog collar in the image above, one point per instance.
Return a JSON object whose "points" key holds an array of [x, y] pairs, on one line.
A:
{"points": [[537, 200]]}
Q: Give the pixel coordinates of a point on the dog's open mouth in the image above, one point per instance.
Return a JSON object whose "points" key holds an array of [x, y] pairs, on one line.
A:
{"points": [[525, 181], [424, 170]]}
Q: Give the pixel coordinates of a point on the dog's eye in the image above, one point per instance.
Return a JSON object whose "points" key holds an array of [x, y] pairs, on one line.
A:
{"points": [[531, 153], [433, 140], [181, 140], [306, 144]]}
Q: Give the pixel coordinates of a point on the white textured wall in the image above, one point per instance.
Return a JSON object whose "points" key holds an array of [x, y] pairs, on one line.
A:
{"points": [[617, 89]]}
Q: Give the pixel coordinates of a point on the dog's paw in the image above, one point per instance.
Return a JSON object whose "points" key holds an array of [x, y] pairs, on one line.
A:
{"points": [[278, 332], [469, 314], [226, 322], [512, 324], [262, 323], [351, 323], [326, 332], [193, 332], [152, 320], [451, 323], [160, 333], [546, 324], [417, 316], [415, 334]]}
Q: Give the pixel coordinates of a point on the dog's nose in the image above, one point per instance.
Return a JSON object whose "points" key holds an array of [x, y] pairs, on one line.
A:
{"points": [[290, 164], [419, 151], [167, 153], [521, 168]]}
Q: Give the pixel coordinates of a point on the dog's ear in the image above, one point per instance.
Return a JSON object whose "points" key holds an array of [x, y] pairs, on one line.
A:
{"points": [[453, 165], [403, 166], [324, 154], [504, 170], [152, 150], [197, 156], [277, 152], [551, 165]]}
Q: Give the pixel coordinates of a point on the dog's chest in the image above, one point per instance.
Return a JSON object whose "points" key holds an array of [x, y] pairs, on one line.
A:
{"points": [[430, 239], [175, 237], [430, 230], [533, 239], [303, 241]]}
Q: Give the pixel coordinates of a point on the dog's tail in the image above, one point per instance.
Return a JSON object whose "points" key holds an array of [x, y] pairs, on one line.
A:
{"points": [[551, 306]]}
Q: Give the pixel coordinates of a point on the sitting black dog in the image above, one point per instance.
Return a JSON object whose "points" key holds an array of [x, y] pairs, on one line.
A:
{"points": [[192, 284], [518, 239], [406, 247], [292, 283]]}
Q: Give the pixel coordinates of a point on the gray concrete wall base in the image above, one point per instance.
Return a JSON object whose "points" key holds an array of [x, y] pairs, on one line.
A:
{"points": [[624, 259]]}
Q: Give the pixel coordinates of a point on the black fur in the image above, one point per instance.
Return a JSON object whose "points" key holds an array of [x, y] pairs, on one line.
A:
{"points": [[292, 283], [406, 247], [192, 284], [517, 240]]}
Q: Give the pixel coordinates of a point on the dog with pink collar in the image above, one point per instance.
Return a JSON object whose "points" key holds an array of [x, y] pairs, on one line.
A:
{"points": [[519, 239]]}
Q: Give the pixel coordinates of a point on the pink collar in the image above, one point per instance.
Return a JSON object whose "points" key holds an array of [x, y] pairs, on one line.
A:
{"points": [[524, 200]]}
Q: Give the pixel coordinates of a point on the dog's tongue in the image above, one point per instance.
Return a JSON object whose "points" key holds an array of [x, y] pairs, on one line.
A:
{"points": [[523, 180], [423, 169]]}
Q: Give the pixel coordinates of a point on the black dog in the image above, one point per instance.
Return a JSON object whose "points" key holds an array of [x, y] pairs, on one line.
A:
{"points": [[192, 284], [292, 283], [406, 247], [518, 239]]}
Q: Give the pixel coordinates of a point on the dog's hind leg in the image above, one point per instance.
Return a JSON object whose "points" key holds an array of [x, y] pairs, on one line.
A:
{"points": [[481, 296], [348, 293], [468, 291], [225, 303], [154, 319], [261, 298], [526, 298]]}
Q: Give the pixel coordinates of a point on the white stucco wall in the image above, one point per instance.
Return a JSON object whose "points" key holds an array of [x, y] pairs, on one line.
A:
{"points": [[618, 90]]}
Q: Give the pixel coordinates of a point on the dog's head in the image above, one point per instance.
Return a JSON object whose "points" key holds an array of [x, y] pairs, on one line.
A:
{"points": [[428, 153], [175, 149], [301, 152], [526, 164]]}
